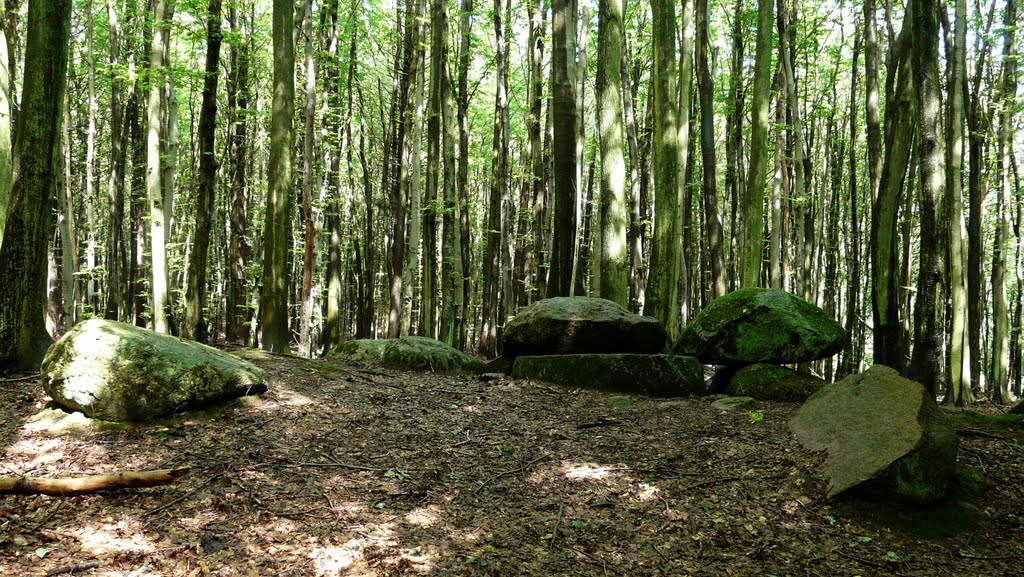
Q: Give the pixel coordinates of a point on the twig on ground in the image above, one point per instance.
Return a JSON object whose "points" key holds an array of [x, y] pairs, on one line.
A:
{"points": [[169, 504], [658, 551], [509, 472], [21, 379], [967, 555], [72, 569], [558, 524], [859, 559]]}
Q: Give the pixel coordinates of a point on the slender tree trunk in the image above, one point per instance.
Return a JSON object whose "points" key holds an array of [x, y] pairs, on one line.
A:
{"points": [[959, 352], [999, 377], [661, 289], [614, 268], [117, 291], [274, 292], [159, 219], [415, 141], [926, 364], [563, 149], [197, 325], [6, 124], [899, 130], [68, 229], [23, 336], [306, 346], [706, 89], [499, 160], [237, 303], [753, 211], [451, 254], [801, 198], [733, 150], [851, 356]]}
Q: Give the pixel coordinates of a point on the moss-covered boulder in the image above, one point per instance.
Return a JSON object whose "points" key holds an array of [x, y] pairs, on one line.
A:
{"points": [[883, 433], [410, 354], [661, 375], [119, 372], [755, 325], [767, 382], [581, 325]]}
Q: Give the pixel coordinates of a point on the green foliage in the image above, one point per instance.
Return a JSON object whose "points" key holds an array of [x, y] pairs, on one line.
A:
{"points": [[755, 416]]}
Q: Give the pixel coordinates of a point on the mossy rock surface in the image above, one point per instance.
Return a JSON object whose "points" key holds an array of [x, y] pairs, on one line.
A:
{"points": [[581, 325], [755, 325], [660, 375], [768, 382], [119, 372], [883, 431], [411, 354]]}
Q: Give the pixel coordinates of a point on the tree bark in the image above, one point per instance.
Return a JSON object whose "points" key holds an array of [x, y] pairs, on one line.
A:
{"points": [[197, 325], [712, 220], [274, 292], [90, 484], [23, 336], [563, 148], [753, 210], [499, 160]]}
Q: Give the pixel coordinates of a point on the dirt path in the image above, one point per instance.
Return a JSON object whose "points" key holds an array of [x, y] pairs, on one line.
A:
{"points": [[343, 470]]}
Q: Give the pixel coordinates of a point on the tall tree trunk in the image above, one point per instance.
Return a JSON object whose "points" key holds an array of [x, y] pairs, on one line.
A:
{"points": [[415, 141], [274, 292], [159, 219], [899, 130], [563, 148], [733, 150], [851, 354], [237, 303], [6, 124], [614, 268], [999, 375], [23, 336], [306, 346], [451, 254], [926, 364], [706, 89], [499, 161], [68, 228], [661, 285], [801, 197], [400, 193], [959, 352], [117, 290], [196, 325], [753, 211], [438, 33], [538, 166]]}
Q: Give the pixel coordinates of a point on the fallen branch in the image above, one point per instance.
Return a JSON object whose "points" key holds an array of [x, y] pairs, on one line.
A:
{"points": [[72, 569], [92, 484], [20, 379]]}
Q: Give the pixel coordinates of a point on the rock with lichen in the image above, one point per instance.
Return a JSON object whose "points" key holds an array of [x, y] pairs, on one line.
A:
{"points": [[883, 434], [755, 325], [410, 353], [119, 372], [581, 325]]}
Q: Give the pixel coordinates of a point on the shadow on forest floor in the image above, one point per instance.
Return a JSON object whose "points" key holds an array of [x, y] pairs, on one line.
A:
{"points": [[345, 470]]}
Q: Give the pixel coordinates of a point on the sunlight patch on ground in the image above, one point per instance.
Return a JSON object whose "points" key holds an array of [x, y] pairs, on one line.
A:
{"points": [[587, 471], [424, 516], [28, 454], [54, 421], [335, 560], [122, 537], [288, 398]]}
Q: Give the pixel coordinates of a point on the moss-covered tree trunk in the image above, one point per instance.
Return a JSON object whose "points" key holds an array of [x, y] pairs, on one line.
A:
{"points": [[274, 294], [753, 210], [23, 337]]}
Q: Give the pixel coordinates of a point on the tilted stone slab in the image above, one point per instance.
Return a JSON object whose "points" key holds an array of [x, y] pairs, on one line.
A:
{"points": [[882, 431], [581, 325], [119, 372], [409, 353], [768, 382], [660, 375], [755, 325]]}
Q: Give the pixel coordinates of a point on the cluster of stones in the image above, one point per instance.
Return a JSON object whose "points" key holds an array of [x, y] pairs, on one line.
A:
{"points": [[883, 433]]}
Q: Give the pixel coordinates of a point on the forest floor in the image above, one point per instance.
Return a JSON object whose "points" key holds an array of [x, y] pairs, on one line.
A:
{"points": [[345, 470]]}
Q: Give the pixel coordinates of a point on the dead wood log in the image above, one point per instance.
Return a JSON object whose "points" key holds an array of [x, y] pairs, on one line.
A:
{"points": [[92, 484]]}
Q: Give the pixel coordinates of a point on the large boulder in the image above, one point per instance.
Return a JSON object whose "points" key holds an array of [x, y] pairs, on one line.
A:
{"points": [[771, 383], [581, 325], [755, 325], [119, 372], [410, 354], [662, 375], [882, 431]]}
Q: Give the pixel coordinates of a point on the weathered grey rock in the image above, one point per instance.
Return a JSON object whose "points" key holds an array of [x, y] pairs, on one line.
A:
{"points": [[118, 372], [881, 430], [735, 404], [581, 325], [661, 375], [409, 353], [755, 325], [767, 382]]}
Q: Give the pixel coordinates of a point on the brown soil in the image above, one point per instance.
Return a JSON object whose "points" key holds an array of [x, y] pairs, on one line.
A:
{"points": [[344, 470]]}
